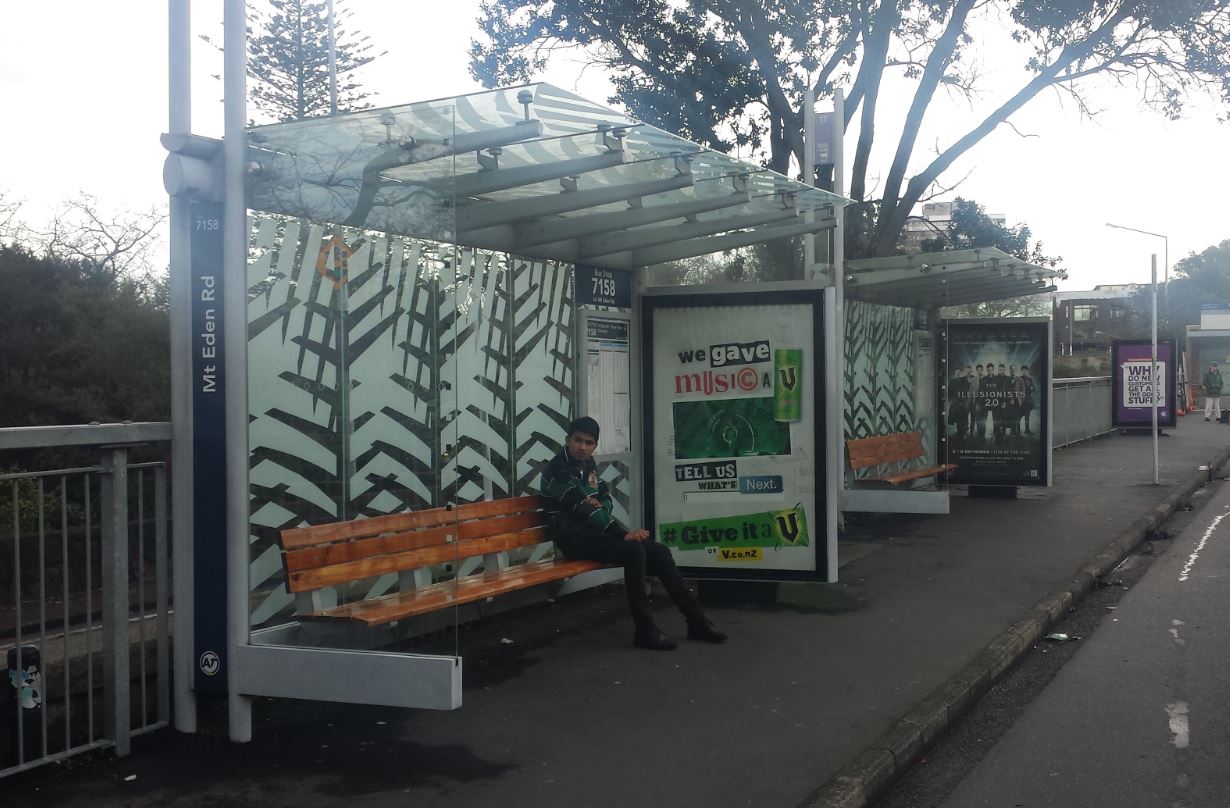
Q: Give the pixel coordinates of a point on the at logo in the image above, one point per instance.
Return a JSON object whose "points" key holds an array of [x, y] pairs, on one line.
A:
{"points": [[210, 663], [789, 378]]}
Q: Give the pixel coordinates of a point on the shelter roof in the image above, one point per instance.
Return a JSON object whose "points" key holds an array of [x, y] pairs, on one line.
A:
{"points": [[950, 278], [532, 170]]}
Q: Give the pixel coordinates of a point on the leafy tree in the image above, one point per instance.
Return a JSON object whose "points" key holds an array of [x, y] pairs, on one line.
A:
{"points": [[1197, 279], [288, 59], [731, 74], [79, 346], [970, 227], [83, 318]]}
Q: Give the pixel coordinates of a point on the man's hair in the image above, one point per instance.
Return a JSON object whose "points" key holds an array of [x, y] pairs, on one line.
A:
{"points": [[584, 424]]}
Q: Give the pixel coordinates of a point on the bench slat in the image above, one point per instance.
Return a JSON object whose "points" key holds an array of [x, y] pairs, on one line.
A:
{"points": [[400, 605], [884, 448], [881, 450], [341, 552], [370, 567], [295, 538], [915, 474]]}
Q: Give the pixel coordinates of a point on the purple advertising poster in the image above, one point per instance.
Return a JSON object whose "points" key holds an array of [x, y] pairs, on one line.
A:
{"points": [[1132, 387]]}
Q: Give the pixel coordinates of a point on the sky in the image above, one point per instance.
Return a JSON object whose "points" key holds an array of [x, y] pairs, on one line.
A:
{"points": [[85, 116]]}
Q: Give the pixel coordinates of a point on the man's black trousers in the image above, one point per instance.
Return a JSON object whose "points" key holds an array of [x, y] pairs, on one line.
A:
{"points": [[639, 559]]}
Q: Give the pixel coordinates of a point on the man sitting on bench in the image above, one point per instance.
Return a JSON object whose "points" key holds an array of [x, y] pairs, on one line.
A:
{"points": [[584, 529]]}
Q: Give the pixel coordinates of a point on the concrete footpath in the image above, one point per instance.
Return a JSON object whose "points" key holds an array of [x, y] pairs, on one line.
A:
{"points": [[816, 700]]}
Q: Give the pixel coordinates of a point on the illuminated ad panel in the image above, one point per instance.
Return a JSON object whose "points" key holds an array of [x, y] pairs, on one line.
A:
{"points": [[1133, 391], [994, 386], [734, 403]]}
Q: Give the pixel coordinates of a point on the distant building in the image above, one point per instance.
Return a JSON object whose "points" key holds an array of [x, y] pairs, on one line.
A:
{"points": [[1208, 342], [1088, 320], [932, 224]]}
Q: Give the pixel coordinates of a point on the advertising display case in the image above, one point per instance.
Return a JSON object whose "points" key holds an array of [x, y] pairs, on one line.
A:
{"points": [[1131, 391], [995, 401], [734, 430]]}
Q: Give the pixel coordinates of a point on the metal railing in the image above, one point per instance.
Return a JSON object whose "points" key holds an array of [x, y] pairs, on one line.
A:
{"points": [[84, 628], [1080, 409]]}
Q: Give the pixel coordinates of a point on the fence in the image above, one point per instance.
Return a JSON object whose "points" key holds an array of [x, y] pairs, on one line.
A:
{"points": [[1080, 409], [84, 608]]}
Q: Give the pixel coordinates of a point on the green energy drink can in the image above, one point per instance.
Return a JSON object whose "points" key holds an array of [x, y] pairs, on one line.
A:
{"points": [[788, 384]]}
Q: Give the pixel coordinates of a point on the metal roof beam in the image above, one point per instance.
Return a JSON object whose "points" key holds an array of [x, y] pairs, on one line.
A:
{"points": [[704, 246], [619, 241], [928, 281], [942, 292], [501, 179], [478, 215], [920, 270], [983, 298], [958, 277], [963, 296], [529, 234], [975, 286]]}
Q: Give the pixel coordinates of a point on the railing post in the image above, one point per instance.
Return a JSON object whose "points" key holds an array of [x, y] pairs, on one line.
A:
{"points": [[116, 679]]}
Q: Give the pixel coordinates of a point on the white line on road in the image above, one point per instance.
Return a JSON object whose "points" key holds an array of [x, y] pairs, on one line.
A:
{"points": [[1208, 534], [1177, 712]]}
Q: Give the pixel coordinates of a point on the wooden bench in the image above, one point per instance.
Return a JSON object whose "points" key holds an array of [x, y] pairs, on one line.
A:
{"points": [[886, 450], [409, 544]]}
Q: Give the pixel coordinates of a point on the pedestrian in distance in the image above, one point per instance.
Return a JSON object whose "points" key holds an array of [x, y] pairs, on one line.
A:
{"points": [[583, 528], [1212, 384]]}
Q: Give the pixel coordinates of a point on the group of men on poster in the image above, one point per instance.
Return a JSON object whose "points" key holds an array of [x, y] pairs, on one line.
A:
{"points": [[990, 399]]}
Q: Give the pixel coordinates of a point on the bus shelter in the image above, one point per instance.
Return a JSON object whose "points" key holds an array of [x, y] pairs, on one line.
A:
{"points": [[901, 363], [401, 309], [429, 293]]}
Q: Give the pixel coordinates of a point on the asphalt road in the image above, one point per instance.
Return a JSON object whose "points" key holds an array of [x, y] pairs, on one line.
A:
{"points": [[1140, 716]]}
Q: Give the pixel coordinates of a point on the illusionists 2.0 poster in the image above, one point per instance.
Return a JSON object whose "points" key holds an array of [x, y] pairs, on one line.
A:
{"points": [[995, 400], [734, 484]]}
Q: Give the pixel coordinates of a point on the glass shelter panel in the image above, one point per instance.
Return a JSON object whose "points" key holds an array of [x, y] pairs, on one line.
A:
{"points": [[890, 378], [353, 350]]}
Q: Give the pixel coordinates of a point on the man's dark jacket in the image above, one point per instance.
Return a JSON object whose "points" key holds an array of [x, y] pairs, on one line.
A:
{"points": [[566, 490]]}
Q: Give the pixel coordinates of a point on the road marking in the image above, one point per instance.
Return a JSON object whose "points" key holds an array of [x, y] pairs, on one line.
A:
{"points": [[1177, 712], [1174, 632], [1208, 534]]}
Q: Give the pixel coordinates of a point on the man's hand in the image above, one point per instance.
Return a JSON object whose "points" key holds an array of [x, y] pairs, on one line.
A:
{"points": [[640, 534], [594, 501]]}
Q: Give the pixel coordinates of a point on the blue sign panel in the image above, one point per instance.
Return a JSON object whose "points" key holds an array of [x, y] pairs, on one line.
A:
{"points": [[765, 484], [596, 286], [208, 448]]}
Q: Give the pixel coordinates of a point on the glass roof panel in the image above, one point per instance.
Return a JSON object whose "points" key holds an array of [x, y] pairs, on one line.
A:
{"points": [[502, 157]]}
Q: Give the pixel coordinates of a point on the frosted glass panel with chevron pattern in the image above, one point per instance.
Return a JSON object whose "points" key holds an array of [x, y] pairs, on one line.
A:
{"points": [[880, 373], [409, 375]]}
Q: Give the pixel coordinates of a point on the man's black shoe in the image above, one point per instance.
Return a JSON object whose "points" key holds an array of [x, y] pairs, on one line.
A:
{"points": [[705, 631], [653, 639]]}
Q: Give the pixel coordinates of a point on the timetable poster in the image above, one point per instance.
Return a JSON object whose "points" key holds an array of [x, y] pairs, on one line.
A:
{"points": [[608, 375]]}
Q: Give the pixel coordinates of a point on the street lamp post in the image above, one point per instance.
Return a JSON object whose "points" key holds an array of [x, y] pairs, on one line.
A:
{"points": [[1153, 282], [1165, 262]]}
